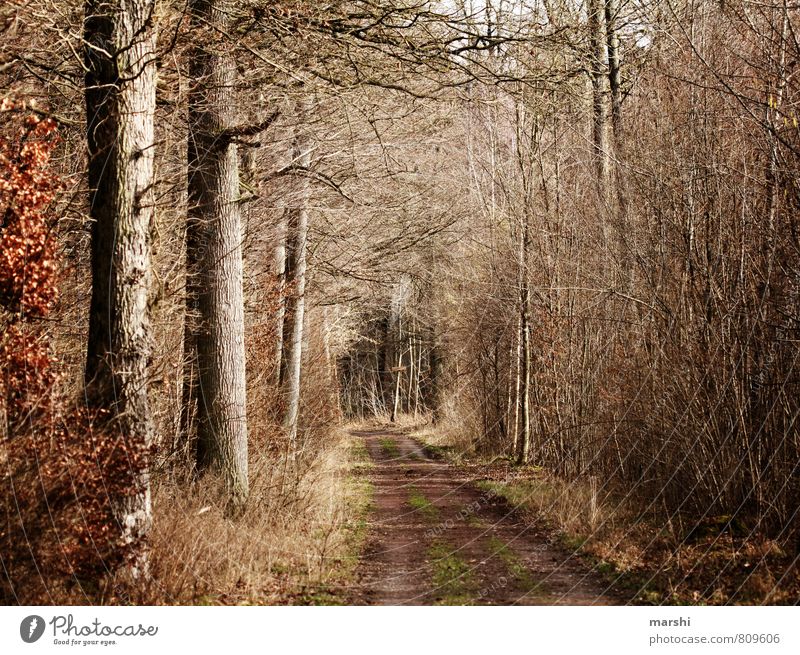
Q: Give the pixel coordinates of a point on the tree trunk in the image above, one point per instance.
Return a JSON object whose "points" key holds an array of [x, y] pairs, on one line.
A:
{"points": [[436, 374], [614, 70], [524, 325], [417, 376], [296, 248], [382, 366], [412, 371], [396, 401], [599, 78], [517, 388], [214, 257], [120, 98], [616, 191], [395, 350], [280, 314]]}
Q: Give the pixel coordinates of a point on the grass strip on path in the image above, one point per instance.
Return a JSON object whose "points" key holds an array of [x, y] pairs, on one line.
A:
{"points": [[453, 580], [515, 567], [419, 503], [390, 448]]}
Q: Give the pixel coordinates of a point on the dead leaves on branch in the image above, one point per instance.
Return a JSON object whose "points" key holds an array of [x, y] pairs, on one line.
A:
{"points": [[66, 469]]}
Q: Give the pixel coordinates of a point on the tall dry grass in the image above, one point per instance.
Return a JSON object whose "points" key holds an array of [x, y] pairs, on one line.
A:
{"points": [[291, 544]]}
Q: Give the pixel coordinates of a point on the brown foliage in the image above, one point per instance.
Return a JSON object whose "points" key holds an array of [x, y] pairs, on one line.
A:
{"points": [[27, 246], [64, 470]]}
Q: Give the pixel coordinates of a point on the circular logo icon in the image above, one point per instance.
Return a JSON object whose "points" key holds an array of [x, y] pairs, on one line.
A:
{"points": [[31, 628]]}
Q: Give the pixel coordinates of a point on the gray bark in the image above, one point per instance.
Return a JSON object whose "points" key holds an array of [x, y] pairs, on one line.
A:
{"points": [[384, 364], [614, 187], [398, 376], [436, 374], [280, 314], [614, 67], [517, 386], [599, 78], [524, 399], [120, 98], [215, 305], [295, 261]]}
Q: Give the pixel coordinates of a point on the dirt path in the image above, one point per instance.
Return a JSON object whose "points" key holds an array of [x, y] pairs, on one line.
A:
{"points": [[434, 538]]}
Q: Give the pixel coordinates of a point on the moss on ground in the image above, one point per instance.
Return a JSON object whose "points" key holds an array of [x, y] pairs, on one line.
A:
{"points": [[419, 503], [453, 580]]}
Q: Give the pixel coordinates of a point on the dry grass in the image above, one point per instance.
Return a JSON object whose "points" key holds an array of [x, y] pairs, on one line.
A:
{"points": [[293, 543], [445, 437]]}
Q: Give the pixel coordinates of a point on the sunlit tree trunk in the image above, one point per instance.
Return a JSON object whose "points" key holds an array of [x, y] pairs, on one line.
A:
{"points": [[214, 256], [517, 373], [524, 383], [120, 98], [614, 67], [280, 284], [598, 73], [295, 275], [436, 377], [397, 377]]}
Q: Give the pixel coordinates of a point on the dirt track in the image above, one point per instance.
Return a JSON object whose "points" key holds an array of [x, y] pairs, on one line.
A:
{"points": [[434, 538]]}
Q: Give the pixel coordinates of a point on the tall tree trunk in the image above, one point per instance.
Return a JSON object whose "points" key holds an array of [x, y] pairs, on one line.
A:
{"points": [[417, 377], [517, 388], [382, 365], [280, 283], [398, 376], [524, 444], [214, 256], [616, 192], [598, 74], [436, 375], [412, 355], [614, 68], [120, 98], [296, 248]]}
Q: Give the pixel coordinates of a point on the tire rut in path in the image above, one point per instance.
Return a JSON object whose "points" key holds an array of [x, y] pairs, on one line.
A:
{"points": [[435, 538]]}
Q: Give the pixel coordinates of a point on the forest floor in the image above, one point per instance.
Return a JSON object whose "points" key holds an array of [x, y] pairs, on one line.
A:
{"points": [[434, 537]]}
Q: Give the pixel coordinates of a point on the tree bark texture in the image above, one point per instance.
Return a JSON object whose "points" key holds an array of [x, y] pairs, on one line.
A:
{"points": [[280, 314], [524, 367], [120, 88], [215, 305], [598, 73], [614, 67], [295, 262]]}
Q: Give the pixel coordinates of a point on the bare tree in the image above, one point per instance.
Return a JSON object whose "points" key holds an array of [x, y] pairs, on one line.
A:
{"points": [[295, 252], [120, 95], [215, 310], [599, 77]]}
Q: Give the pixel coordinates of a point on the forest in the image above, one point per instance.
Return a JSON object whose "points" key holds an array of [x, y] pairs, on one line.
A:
{"points": [[390, 301]]}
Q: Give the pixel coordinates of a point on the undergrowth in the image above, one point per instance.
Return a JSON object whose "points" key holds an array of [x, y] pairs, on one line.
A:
{"points": [[297, 541]]}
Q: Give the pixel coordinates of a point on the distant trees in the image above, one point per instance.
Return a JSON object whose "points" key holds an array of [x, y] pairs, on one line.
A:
{"points": [[645, 320]]}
